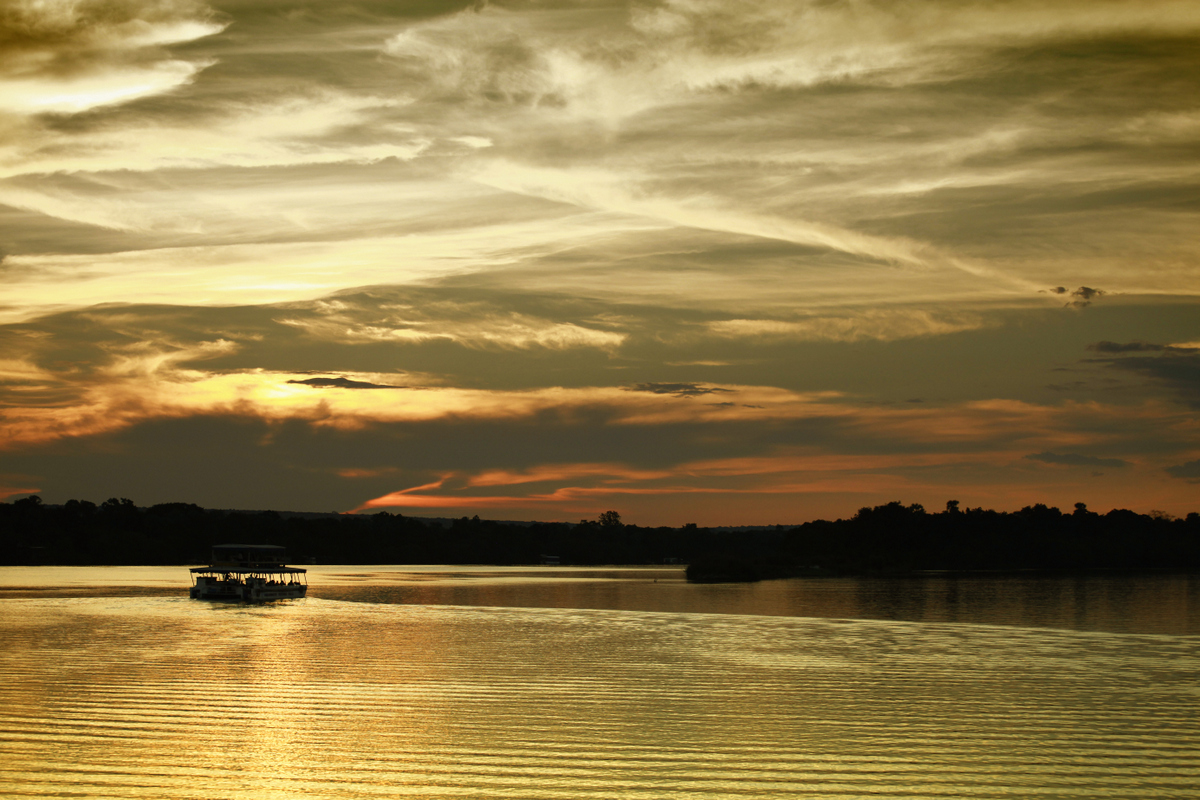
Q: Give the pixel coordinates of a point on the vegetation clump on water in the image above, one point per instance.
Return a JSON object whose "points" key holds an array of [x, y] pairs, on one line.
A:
{"points": [[891, 538]]}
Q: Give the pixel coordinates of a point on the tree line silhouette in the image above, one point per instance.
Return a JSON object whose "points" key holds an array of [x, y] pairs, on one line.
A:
{"points": [[895, 538], [890, 538]]}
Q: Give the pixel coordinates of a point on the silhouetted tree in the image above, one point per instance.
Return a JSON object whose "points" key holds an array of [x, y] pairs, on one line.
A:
{"points": [[609, 519]]}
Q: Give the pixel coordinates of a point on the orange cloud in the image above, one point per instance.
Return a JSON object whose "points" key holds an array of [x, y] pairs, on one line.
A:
{"points": [[770, 475], [7, 492], [580, 499], [910, 451], [366, 473], [562, 472]]}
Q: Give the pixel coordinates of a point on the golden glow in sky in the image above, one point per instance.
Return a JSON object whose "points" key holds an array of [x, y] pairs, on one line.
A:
{"points": [[692, 260]]}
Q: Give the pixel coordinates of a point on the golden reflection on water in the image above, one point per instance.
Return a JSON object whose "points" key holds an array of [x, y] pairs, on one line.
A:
{"points": [[153, 697], [1129, 604]]}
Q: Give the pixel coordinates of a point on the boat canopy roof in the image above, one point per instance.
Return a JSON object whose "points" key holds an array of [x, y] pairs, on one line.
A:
{"points": [[271, 547], [249, 570]]}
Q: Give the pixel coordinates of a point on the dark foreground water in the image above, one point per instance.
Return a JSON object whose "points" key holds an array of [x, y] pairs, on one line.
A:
{"points": [[576, 683]]}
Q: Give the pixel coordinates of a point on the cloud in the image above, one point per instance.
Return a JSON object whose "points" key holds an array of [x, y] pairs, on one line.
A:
{"points": [[67, 56], [483, 54], [561, 487], [1189, 471], [659, 51], [1177, 367], [553, 222], [855, 326], [678, 389], [720, 123], [599, 189], [1084, 296], [1129, 347], [286, 271], [133, 381], [1076, 460], [550, 452], [470, 323], [302, 127], [344, 383], [553, 472], [7, 492]]}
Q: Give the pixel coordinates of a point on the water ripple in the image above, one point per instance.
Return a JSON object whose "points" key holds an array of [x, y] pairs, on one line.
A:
{"points": [[152, 698]]}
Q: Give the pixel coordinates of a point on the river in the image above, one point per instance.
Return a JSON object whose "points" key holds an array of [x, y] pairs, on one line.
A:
{"points": [[592, 683]]}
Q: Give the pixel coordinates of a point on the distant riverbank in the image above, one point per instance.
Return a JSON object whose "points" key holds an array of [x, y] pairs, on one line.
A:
{"points": [[886, 539]]}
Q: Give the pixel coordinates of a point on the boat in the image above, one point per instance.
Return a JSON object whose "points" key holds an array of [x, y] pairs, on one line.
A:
{"points": [[248, 573]]}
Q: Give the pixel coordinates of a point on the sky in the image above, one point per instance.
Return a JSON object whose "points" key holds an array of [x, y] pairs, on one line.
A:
{"points": [[728, 262]]}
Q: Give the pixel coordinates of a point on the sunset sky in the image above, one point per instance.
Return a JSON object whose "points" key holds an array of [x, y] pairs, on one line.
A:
{"points": [[713, 261]]}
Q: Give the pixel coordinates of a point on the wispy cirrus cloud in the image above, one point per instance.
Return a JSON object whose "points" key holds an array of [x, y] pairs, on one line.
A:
{"points": [[684, 255], [68, 56], [866, 324]]}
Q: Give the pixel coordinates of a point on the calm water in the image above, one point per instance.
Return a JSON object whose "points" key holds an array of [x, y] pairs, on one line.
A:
{"points": [[559, 683]]}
